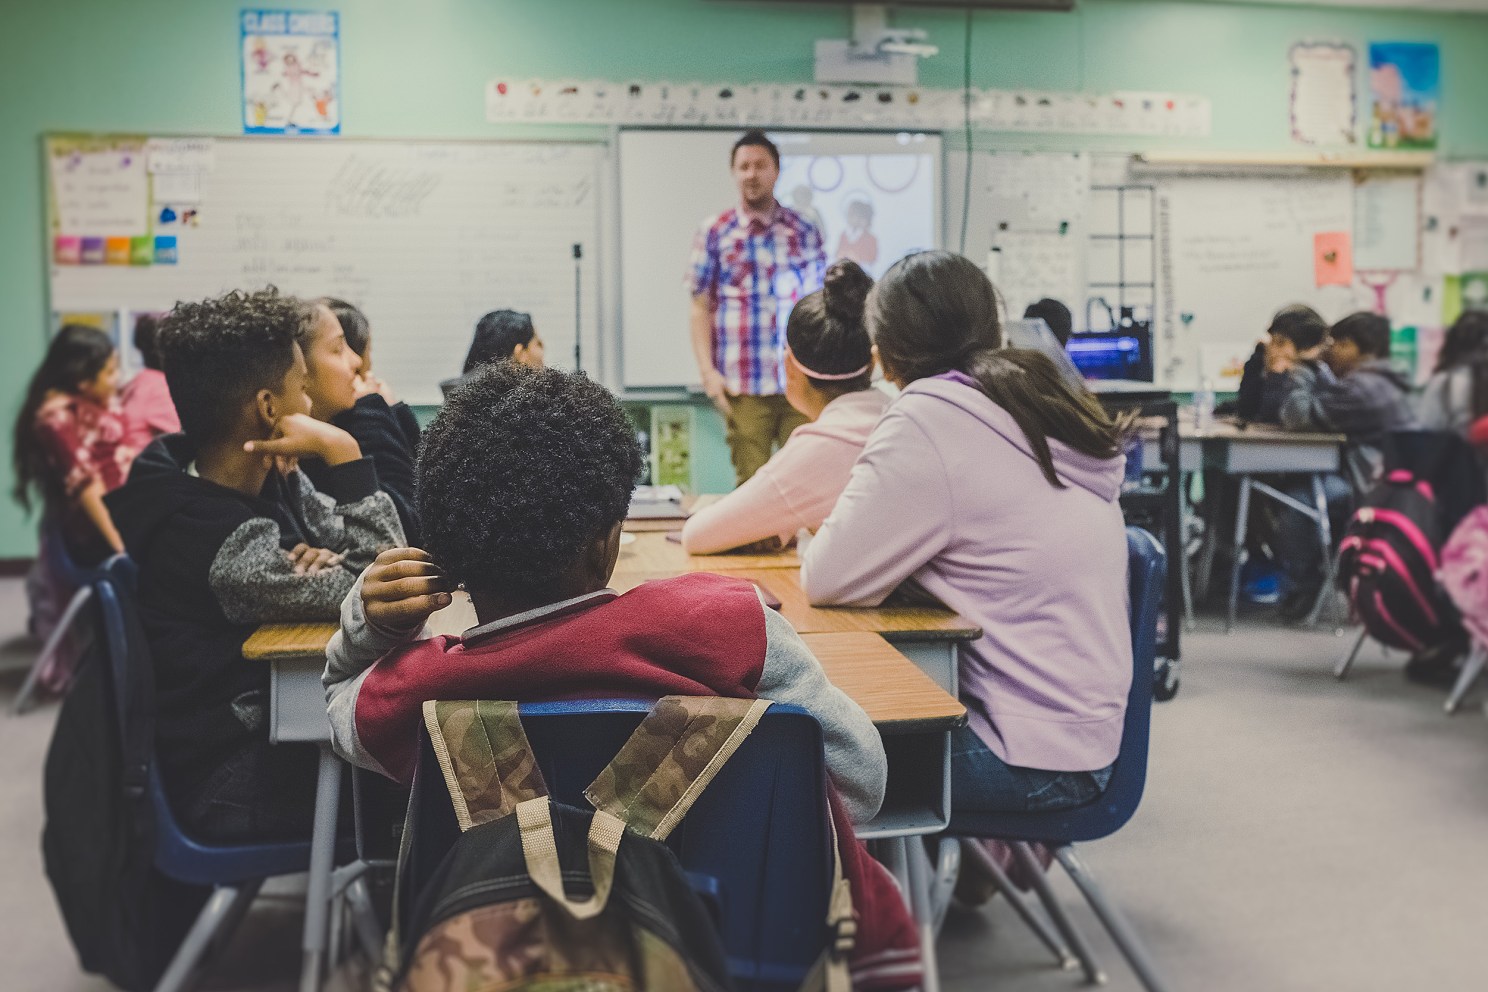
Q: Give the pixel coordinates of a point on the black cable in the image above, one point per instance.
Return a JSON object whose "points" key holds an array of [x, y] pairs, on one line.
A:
{"points": [[966, 112]]}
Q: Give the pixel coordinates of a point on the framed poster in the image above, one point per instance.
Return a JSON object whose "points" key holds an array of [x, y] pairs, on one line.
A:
{"points": [[1405, 87], [291, 62]]}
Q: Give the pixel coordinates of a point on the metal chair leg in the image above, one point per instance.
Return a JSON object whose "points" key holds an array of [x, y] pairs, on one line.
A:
{"points": [[1471, 669], [1072, 935], [224, 909], [944, 870], [53, 645], [973, 851], [1242, 520], [1121, 932], [364, 920], [1341, 670]]}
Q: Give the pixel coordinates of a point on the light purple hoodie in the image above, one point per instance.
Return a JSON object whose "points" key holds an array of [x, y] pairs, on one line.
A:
{"points": [[947, 492]]}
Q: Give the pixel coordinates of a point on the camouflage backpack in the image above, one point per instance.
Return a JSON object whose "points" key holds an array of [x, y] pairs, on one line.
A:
{"points": [[499, 911]]}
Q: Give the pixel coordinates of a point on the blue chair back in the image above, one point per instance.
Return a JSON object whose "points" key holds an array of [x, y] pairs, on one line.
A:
{"points": [[756, 846], [1146, 571], [177, 855]]}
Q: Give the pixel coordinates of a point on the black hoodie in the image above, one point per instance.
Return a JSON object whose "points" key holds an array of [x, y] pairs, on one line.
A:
{"points": [[389, 435], [212, 567]]}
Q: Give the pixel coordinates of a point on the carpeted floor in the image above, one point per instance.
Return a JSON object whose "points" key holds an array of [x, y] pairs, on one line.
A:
{"points": [[1297, 834]]}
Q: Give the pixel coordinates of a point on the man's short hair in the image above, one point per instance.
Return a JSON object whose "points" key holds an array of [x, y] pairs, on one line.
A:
{"points": [[754, 136], [497, 335], [1299, 324], [519, 474], [1370, 332], [1056, 315], [220, 352]]}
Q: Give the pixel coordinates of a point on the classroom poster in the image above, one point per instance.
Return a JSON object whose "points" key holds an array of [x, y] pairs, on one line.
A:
{"points": [[99, 189], [1405, 87], [1322, 94], [291, 72]]}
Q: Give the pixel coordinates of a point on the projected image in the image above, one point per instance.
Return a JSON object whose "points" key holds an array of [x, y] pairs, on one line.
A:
{"points": [[871, 208]]}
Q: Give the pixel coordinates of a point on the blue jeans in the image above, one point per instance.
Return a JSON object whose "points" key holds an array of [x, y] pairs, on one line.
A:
{"points": [[983, 782]]}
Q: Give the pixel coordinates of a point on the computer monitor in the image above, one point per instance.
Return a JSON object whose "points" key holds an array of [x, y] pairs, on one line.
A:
{"points": [[1123, 353], [1034, 333]]}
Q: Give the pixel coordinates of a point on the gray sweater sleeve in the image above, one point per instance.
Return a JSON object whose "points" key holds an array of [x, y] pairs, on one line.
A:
{"points": [[350, 655], [254, 581], [854, 750]]}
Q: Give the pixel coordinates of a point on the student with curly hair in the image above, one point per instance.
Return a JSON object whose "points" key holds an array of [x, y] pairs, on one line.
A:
{"points": [[524, 481], [228, 536]]}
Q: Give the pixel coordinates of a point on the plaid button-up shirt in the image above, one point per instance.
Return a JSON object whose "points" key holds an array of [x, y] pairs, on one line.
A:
{"points": [[753, 269]]}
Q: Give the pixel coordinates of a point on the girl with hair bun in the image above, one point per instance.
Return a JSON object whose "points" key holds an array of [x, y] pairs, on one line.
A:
{"points": [[829, 380]]}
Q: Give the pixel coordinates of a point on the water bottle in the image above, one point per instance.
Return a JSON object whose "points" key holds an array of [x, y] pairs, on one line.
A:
{"points": [[1204, 406]]}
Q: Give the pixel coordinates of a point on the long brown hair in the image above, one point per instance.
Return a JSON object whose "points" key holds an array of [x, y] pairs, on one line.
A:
{"points": [[936, 312], [77, 354]]}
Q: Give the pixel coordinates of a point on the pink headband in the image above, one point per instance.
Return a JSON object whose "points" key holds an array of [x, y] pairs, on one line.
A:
{"points": [[810, 374]]}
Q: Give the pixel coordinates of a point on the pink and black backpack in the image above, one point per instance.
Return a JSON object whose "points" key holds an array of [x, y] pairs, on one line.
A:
{"points": [[1391, 552]]}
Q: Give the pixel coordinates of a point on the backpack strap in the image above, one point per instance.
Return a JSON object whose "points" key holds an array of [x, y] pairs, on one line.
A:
{"points": [[671, 758], [540, 849], [483, 752], [830, 972]]}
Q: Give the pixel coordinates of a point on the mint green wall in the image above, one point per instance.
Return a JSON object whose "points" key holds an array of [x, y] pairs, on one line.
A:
{"points": [[418, 70]]}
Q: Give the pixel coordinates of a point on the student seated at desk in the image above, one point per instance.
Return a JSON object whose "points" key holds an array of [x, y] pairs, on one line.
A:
{"points": [[1291, 355], [225, 542], [524, 481], [993, 485], [337, 343], [1456, 395], [500, 335], [829, 380], [1364, 398]]}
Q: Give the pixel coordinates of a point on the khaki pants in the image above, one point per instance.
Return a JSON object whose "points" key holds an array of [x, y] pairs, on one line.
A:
{"points": [[756, 425]]}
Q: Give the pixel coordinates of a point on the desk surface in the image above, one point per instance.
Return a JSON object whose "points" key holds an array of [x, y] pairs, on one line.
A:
{"points": [[652, 553], [1226, 429], [895, 694], [898, 622]]}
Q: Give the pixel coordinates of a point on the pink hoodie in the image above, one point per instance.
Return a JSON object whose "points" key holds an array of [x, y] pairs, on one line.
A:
{"points": [[796, 488], [947, 492]]}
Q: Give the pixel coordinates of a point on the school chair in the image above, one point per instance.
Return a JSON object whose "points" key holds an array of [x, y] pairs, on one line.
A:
{"points": [[234, 871], [1060, 830], [756, 846], [57, 562]]}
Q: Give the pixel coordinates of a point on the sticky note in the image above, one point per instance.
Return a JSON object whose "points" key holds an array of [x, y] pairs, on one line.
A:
{"points": [[165, 249], [93, 251], [142, 250], [116, 251], [67, 250], [1333, 258]]}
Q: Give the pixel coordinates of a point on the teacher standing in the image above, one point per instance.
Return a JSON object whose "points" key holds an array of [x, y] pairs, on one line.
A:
{"points": [[750, 265]]}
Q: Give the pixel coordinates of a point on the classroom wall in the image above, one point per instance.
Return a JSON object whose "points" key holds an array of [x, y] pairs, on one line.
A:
{"points": [[418, 71]]}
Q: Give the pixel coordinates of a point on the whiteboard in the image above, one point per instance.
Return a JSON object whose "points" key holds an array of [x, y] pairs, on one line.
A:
{"points": [[424, 236], [670, 182], [1235, 249]]}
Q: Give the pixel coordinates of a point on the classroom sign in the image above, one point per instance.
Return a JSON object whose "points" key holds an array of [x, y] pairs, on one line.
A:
{"points": [[291, 72]]}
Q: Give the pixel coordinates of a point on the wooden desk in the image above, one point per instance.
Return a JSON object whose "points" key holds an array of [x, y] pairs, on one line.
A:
{"points": [[652, 554], [929, 636]]}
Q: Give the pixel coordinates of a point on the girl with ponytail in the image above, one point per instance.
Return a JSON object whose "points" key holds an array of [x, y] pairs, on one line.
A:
{"points": [[829, 380], [993, 485]]}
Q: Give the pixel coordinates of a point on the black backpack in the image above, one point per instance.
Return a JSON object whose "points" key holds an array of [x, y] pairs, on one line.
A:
{"points": [[1391, 550], [125, 919]]}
